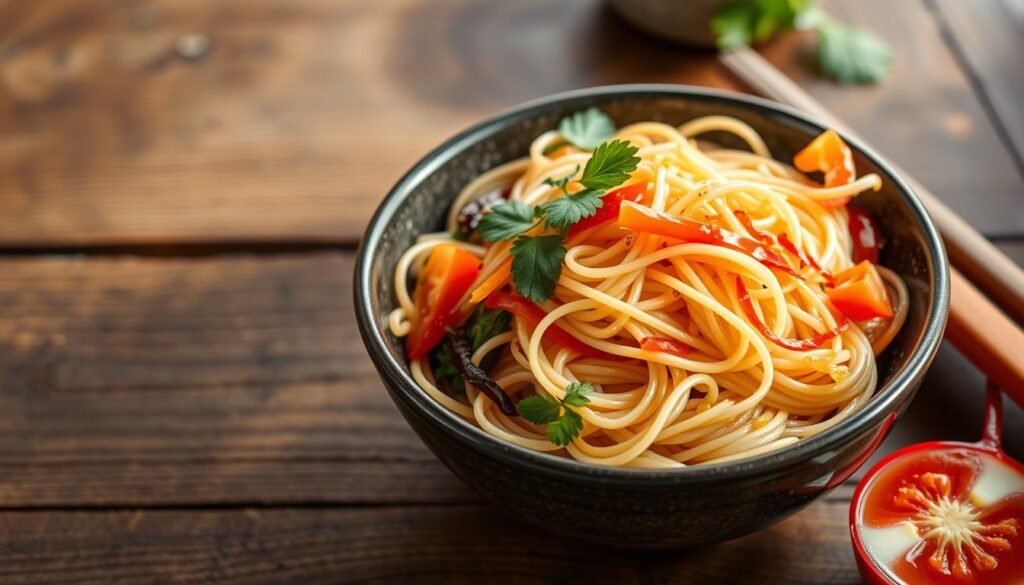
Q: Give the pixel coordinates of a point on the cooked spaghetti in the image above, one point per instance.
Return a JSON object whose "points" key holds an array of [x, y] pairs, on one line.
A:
{"points": [[715, 304]]}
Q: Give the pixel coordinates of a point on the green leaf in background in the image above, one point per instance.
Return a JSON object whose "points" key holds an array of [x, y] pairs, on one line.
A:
{"points": [[850, 55], [587, 129], [846, 54], [576, 393], [733, 26]]}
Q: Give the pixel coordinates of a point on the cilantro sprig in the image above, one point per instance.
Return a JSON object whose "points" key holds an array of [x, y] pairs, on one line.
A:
{"points": [[587, 129], [845, 54], [537, 259], [563, 423]]}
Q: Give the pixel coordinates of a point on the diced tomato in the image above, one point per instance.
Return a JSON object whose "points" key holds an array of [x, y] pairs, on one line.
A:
{"points": [[794, 344], [666, 345], [860, 293], [445, 278], [521, 307], [610, 204], [647, 220], [867, 238]]}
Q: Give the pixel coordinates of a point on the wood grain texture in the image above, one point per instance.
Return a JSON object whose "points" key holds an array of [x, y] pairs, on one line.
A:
{"points": [[989, 38], [240, 380], [451, 544], [144, 381], [926, 116], [292, 126]]}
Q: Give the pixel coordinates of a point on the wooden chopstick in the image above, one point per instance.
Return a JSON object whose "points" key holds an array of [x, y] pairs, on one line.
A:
{"points": [[984, 264], [984, 334]]}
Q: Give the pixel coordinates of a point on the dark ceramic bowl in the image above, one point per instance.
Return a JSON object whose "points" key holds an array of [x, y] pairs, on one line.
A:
{"points": [[634, 507]]}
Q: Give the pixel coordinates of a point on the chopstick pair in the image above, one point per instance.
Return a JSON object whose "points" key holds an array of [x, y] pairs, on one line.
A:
{"points": [[977, 327]]}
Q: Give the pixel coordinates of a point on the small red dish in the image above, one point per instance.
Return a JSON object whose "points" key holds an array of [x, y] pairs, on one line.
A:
{"points": [[943, 513]]}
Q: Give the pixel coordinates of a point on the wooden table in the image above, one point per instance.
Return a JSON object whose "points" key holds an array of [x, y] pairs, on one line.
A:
{"points": [[185, 397]]}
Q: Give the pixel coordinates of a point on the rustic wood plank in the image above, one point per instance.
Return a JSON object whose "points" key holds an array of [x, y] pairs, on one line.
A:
{"points": [[989, 35], [458, 544], [925, 116], [294, 123], [240, 380], [154, 381]]}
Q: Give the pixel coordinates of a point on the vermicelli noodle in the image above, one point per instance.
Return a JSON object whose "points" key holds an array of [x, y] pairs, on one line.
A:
{"points": [[734, 392]]}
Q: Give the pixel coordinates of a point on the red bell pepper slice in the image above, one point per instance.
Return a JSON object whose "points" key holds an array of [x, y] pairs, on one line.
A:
{"points": [[609, 209], [521, 307], [794, 344], [666, 345], [445, 278], [867, 238], [749, 225], [806, 259], [647, 220]]}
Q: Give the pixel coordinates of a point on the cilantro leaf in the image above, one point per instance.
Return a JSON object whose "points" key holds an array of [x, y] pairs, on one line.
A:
{"points": [[485, 324], [733, 26], [536, 265], [442, 363], [561, 182], [587, 129], [564, 430], [506, 220], [564, 424], [610, 165], [576, 393], [540, 410], [850, 55], [567, 210]]}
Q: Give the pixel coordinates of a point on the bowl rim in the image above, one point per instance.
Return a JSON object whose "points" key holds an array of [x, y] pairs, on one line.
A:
{"points": [[398, 380]]}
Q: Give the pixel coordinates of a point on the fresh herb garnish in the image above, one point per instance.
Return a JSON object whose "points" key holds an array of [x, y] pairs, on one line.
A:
{"points": [[587, 129], [537, 264], [563, 423], [442, 363], [486, 324], [506, 221], [610, 165], [537, 259], [846, 54]]}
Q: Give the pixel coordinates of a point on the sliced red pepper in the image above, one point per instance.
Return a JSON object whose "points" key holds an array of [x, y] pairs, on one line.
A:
{"points": [[794, 344], [609, 209], [666, 345], [445, 278], [524, 309], [860, 293], [830, 155], [647, 220], [749, 225], [867, 238], [806, 259]]}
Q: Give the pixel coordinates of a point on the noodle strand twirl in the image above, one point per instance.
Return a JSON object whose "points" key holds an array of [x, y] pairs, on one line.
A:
{"points": [[652, 301]]}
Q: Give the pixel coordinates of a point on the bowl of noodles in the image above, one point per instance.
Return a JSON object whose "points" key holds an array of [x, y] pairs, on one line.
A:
{"points": [[651, 316]]}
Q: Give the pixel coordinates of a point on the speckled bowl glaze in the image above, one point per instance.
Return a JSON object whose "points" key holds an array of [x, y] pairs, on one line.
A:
{"points": [[639, 508]]}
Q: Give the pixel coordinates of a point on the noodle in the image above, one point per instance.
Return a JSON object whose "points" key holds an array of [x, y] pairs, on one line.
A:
{"points": [[737, 394]]}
